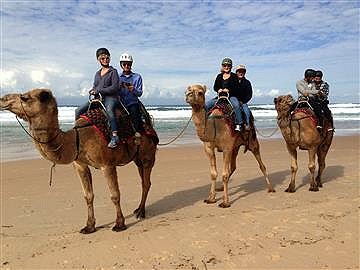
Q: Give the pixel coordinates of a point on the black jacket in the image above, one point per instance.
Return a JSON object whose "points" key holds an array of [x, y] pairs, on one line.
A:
{"points": [[245, 93], [232, 83]]}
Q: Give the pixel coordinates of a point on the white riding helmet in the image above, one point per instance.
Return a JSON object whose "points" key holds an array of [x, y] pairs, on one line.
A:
{"points": [[125, 57]]}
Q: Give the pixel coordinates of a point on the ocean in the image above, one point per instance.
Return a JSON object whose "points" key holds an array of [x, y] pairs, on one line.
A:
{"points": [[169, 121]]}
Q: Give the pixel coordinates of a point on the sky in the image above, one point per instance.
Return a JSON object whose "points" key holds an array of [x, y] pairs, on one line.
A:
{"points": [[52, 44]]}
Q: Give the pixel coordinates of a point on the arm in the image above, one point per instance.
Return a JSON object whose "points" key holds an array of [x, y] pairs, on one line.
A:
{"points": [[217, 83], [138, 87], [304, 89]]}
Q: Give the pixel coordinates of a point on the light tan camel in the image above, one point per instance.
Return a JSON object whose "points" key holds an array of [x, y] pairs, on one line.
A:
{"points": [[214, 132], [300, 131], [83, 147]]}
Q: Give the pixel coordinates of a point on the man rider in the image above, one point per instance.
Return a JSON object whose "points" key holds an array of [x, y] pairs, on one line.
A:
{"points": [[306, 88], [323, 88]]}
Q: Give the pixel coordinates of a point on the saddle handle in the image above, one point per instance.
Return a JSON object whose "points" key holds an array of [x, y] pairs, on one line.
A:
{"points": [[95, 98], [223, 93]]}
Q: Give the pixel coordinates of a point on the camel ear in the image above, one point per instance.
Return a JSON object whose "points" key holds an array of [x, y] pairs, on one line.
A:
{"points": [[205, 88], [188, 88], [45, 96]]}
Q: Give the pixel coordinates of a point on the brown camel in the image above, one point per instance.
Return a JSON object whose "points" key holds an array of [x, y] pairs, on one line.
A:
{"points": [[83, 147], [299, 130], [215, 132]]}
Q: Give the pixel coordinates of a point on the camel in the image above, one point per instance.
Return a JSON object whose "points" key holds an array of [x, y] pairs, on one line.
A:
{"points": [[83, 147], [215, 133], [299, 130]]}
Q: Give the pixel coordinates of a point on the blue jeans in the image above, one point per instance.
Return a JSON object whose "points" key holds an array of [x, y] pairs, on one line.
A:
{"points": [[110, 104], [135, 115], [247, 112], [235, 104]]}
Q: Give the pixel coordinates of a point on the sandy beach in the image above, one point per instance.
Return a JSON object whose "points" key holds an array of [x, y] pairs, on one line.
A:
{"points": [[303, 230]]}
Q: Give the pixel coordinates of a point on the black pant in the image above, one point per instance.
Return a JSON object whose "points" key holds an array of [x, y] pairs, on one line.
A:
{"points": [[315, 104], [135, 115]]}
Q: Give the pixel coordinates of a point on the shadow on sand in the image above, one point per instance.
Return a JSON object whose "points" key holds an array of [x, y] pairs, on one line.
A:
{"points": [[330, 173], [184, 198]]}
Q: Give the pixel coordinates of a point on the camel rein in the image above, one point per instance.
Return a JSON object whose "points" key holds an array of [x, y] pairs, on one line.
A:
{"points": [[177, 136]]}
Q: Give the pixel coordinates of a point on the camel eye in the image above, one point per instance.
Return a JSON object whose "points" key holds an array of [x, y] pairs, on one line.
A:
{"points": [[200, 94], [24, 98]]}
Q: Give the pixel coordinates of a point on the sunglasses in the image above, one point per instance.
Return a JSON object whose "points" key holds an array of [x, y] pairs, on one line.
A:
{"points": [[104, 58], [226, 65], [126, 64]]}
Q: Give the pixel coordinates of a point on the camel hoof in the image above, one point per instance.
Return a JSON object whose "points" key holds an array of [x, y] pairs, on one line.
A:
{"points": [[224, 205], [314, 189], [319, 185], [290, 190], [270, 190], [208, 201], [87, 230], [139, 213], [119, 228]]}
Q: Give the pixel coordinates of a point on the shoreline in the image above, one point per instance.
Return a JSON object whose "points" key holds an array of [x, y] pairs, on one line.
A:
{"points": [[191, 141]]}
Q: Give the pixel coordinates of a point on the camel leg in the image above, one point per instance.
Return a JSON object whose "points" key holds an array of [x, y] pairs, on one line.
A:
{"points": [[84, 173], [321, 153], [225, 177], [234, 154], [311, 165], [294, 168], [256, 153], [210, 152], [145, 183], [112, 181]]}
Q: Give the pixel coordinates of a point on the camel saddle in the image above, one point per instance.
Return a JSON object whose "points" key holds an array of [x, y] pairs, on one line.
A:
{"points": [[225, 107], [309, 112], [96, 116]]}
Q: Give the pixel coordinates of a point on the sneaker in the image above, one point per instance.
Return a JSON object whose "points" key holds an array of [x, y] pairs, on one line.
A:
{"points": [[237, 127], [113, 142]]}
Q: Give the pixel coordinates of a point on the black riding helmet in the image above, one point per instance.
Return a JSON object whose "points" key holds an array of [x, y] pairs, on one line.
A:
{"points": [[309, 73], [101, 51], [318, 73]]}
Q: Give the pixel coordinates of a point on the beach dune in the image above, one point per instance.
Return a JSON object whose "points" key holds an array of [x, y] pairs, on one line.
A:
{"points": [[305, 230]]}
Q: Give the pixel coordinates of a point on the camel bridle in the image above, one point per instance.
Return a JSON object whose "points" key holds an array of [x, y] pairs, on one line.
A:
{"points": [[35, 129]]}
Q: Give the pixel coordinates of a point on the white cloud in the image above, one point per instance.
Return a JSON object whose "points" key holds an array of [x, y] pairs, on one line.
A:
{"points": [[7, 78], [179, 43], [38, 76]]}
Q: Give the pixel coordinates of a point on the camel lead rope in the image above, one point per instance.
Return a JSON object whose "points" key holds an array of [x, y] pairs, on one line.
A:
{"points": [[176, 137], [267, 136], [51, 173]]}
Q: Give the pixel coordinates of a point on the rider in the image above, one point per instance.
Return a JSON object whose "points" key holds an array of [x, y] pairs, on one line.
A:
{"points": [[245, 93], [106, 83], [323, 88], [131, 88], [306, 88], [228, 81]]}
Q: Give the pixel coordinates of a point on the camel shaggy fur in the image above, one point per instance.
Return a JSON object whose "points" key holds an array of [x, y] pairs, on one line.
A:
{"points": [[299, 130], [83, 147], [215, 133]]}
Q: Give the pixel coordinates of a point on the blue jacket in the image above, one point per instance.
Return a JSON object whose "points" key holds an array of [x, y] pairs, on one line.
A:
{"points": [[129, 98], [107, 85]]}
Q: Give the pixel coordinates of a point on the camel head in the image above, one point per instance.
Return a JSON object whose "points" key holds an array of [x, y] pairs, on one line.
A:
{"points": [[30, 105], [195, 96], [282, 104]]}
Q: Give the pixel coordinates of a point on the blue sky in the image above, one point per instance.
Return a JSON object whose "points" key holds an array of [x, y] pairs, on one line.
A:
{"points": [[52, 44]]}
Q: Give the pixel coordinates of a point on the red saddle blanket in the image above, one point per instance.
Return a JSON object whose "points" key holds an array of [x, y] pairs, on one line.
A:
{"points": [[97, 118], [309, 113]]}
